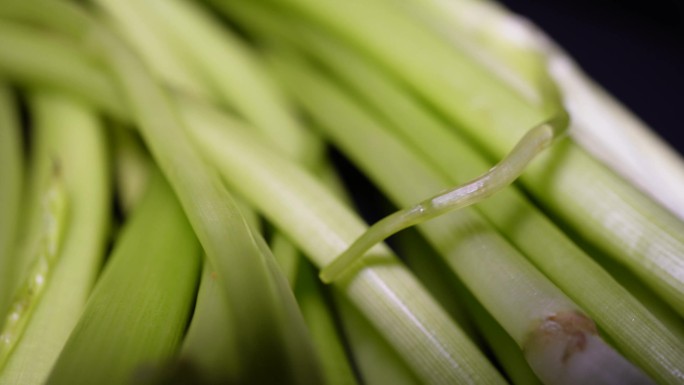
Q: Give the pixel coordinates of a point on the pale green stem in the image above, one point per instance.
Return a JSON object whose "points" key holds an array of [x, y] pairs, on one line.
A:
{"points": [[623, 222], [601, 125], [153, 47], [205, 46], [504, 348], [318, 315], [500, 176], [52, 14], [486, 263], [609, 304], [69, 68], [70, 134], [480, 254], [131, 167], [451, 293], [12, 176], [377, 363], [439, 280], [54, 210], [136, 317], [209, 342], [431, 344], [287, 255], [212, 211], [642, 337], [580, 277]]}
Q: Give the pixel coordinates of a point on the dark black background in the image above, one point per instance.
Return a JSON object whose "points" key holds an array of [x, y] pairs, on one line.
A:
{"points": [[634, 49]]}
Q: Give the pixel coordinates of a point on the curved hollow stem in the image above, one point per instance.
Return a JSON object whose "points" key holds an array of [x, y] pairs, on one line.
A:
{"points": [[504, 173], [55, 212]]}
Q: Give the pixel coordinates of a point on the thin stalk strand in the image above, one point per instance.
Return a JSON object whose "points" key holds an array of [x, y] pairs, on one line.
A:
{"points": [[500, 176], [12, 172], [55, 209]]}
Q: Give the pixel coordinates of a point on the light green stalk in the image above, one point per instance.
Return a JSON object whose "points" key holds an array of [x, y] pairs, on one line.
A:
{"points": [[376, 361], [203, 184], [623, 223], [615, 136], [288, 257], [498, 177], [606, 301], [432, 345], [487, 264], [319, 317], [630, 341], [248, 89], [23, 59], [451, 294], [601, 125], [584, 280], [204, 45], [136, 317], [210, 341], [52, 14], [71, 135], [445, 287], [12, 176], [54, 212], [132, 166], [212, 212], [208, 48], [152, 46], [493, 37], [438, 279], [461, 233], [191, 37]]}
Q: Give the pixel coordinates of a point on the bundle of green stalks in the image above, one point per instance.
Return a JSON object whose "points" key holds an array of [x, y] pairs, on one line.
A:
{"points": [[177, 206]]}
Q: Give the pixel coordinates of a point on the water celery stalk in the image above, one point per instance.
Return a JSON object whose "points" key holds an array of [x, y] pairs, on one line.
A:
{"points": [[152, 47], [581, 278], [469, 193], [498, 40], [602, 126], [53, 224], [12, 174], [137, 314], [376, 361], [211, 210], [287, 255], [193, 39], [247, 89], [209, 345], [388, 295], [132, 166], [520, 298], [584, 280], [320, 318], [204, 46], [21, 59], [450, 292], [71, 135], [624, 223], [428, 362]]}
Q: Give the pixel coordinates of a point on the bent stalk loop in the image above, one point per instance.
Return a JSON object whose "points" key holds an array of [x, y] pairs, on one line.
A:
{"points": [[498, 177]]}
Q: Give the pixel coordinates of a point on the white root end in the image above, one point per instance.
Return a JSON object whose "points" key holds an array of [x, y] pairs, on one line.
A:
{"points": [[565, 349]]}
